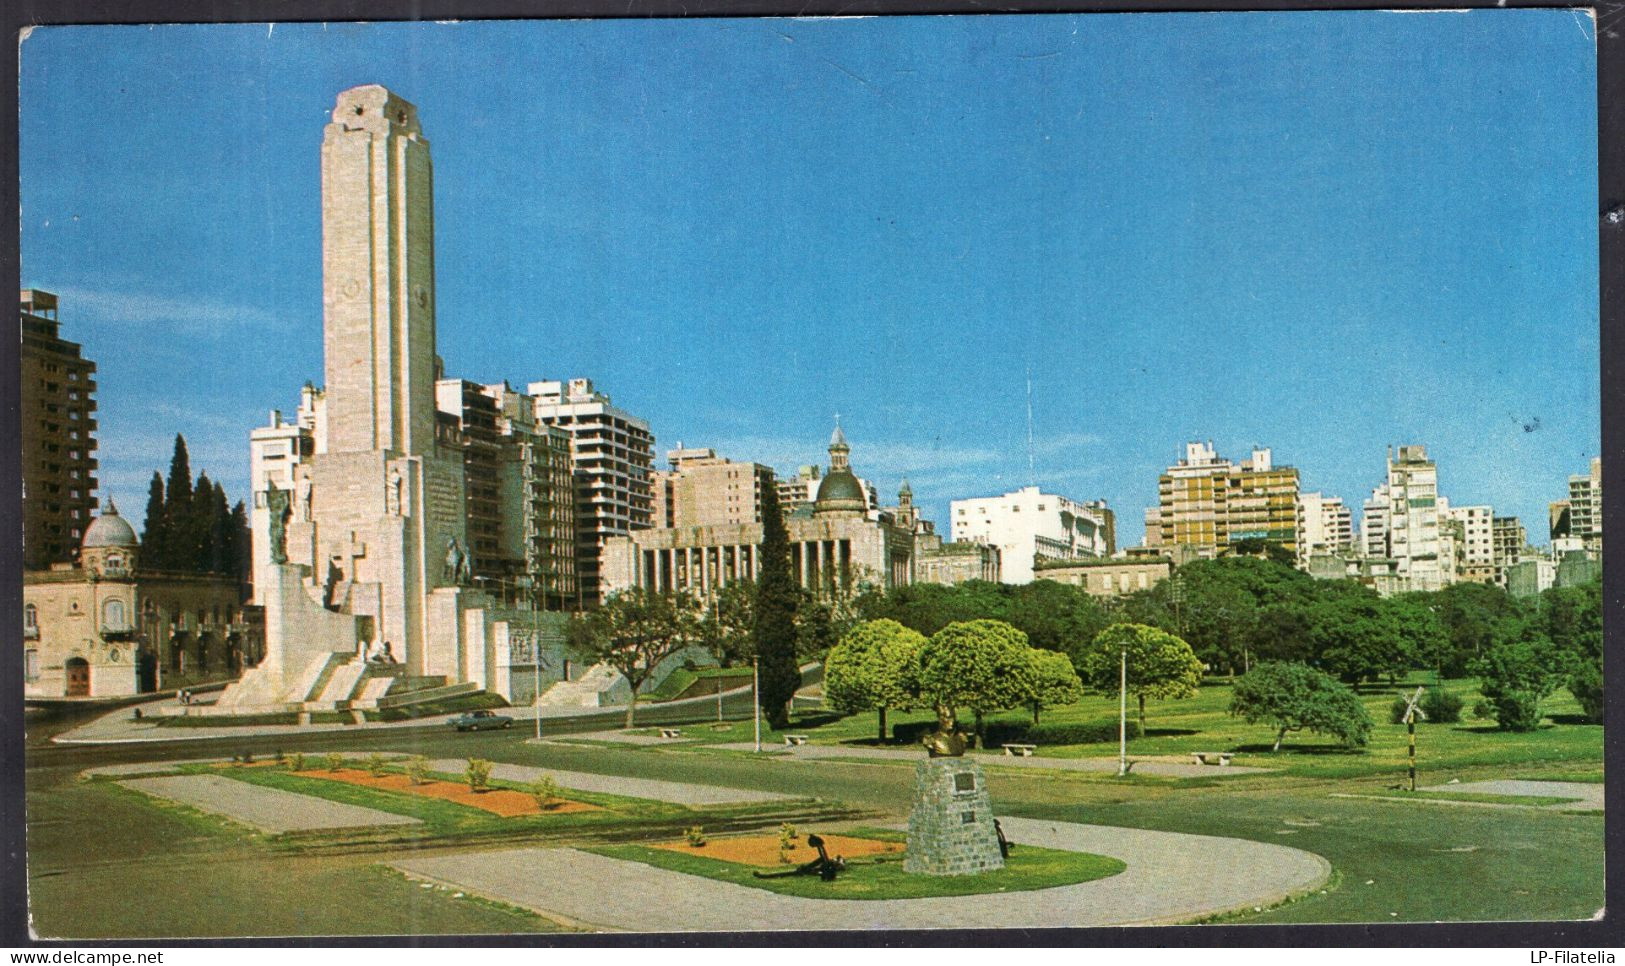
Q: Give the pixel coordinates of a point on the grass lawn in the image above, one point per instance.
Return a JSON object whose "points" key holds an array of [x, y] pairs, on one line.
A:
{"points": [[882, 877], [1470, 748], [682, 679]]}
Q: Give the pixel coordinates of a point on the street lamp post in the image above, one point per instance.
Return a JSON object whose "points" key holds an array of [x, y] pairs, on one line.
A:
{"points": [[1122, 717], [756, 698]]}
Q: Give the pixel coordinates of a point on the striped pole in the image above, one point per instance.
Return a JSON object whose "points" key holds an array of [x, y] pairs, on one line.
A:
{"points": [[1410, 728]]}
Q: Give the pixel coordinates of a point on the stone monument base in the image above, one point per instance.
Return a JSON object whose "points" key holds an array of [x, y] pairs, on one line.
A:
{"points": [[950, 830]]}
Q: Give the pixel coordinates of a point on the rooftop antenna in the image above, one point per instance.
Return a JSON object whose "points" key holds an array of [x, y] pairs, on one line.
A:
{"points": [[1032, 473]]}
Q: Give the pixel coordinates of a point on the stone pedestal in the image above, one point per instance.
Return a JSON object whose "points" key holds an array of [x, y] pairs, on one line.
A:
{"points": [[950, 830]]}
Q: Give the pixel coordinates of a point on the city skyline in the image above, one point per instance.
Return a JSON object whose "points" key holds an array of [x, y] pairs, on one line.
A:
{"points": [[912, 299]]}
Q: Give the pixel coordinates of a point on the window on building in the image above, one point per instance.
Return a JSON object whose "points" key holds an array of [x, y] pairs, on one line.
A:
{"points": [[30, 617], [31, 664], [113, 618]]}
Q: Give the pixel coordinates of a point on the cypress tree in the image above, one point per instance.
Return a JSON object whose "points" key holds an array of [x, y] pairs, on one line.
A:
{"points": [[154, 532], [775, 632], [219, 531], [242, 553], [200, 525], [178, 512]]}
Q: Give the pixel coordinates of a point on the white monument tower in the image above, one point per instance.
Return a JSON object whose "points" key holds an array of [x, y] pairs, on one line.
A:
{"points": [[360, 527]]}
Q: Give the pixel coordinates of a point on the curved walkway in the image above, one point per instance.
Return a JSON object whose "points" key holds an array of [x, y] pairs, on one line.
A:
{"points": [[1171, 877]]}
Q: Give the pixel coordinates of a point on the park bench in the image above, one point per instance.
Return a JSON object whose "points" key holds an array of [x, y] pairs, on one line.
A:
{"points": [[671, 732], [1024, 751], [790, 741], [1211, 757]]}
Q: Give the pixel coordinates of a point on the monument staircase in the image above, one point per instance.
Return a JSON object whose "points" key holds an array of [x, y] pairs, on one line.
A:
{"points": [[602, 686]]}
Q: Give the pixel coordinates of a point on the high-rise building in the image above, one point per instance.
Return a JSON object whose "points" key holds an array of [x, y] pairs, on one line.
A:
{"points": [[702, 488], [1402, 523], [1325, 526], [519, 493], [1508, 542], [1028, 525], [58, 436], [1557, 519], [1212, 504], [1585, 507], [1477, 546], [612, 455]]}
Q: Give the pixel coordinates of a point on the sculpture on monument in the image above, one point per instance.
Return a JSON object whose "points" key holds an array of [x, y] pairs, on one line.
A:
{"points": [[456, 570], [330, 584], [276, 502], [392, 491], [302, 493]]}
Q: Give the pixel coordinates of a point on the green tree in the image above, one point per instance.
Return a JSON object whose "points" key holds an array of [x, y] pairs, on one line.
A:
{"points": [[774, 635], [634, 631], [241, 551], [730, 623], [1585, 683], [154, 532], [1473, 617], [178, 511], [1057, 681], [1296, 697], [1518, 674], [1055, 616], [1571, 617], [872, 668], [983, 665], [1356, 637], [1159, 665]]}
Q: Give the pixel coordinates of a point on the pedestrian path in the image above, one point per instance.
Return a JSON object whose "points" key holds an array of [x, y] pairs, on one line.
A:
{"points": [[1587, 795], [1108, 765], [676, 793], [267, 809], [1170, 877]]}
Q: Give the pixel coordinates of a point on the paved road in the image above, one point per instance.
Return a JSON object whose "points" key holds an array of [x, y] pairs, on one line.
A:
{"points": [[267, 809], [1171, 877]]}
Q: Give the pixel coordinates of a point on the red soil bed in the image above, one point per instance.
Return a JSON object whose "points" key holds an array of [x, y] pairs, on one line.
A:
{"points": [[499, 801], [763, 850]]}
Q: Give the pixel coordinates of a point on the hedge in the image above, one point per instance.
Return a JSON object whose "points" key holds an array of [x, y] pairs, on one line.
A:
{"points": [[1027, 733]]}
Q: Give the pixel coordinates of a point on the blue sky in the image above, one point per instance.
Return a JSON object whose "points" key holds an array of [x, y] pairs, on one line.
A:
{"points": [[1319, 232]]}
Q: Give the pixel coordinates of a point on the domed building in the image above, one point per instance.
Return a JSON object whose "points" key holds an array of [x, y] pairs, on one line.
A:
{"points": [[837, 544], [104, 626]]}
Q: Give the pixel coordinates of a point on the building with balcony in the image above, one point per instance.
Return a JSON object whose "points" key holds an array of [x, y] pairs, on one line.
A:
{"points": [[611, 458], [58, 423], [1212, 504]]}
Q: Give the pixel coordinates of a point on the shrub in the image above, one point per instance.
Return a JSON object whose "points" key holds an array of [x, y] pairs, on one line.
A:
{"points": [[1483, 710], [546, 792], [1586, 686], [1517, 710], [297, 762], [417, 769], [787, 834], [695, 835], [335, 761], [478, 774], [280, 758], [784, 853], [1441, 706], [375, 765], [1396, 711]]}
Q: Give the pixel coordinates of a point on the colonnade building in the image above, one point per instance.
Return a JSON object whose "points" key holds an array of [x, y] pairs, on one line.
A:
{"points": [[834, 546]]}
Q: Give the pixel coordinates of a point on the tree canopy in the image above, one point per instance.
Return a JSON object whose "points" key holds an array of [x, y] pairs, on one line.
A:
{"points": [[634, 631], [1159, 665], [777, 600], [983, 665], [873, 669], [1296, 697]]}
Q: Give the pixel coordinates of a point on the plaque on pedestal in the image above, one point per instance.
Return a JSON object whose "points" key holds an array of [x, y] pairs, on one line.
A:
{"points": [[950, 830]]}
